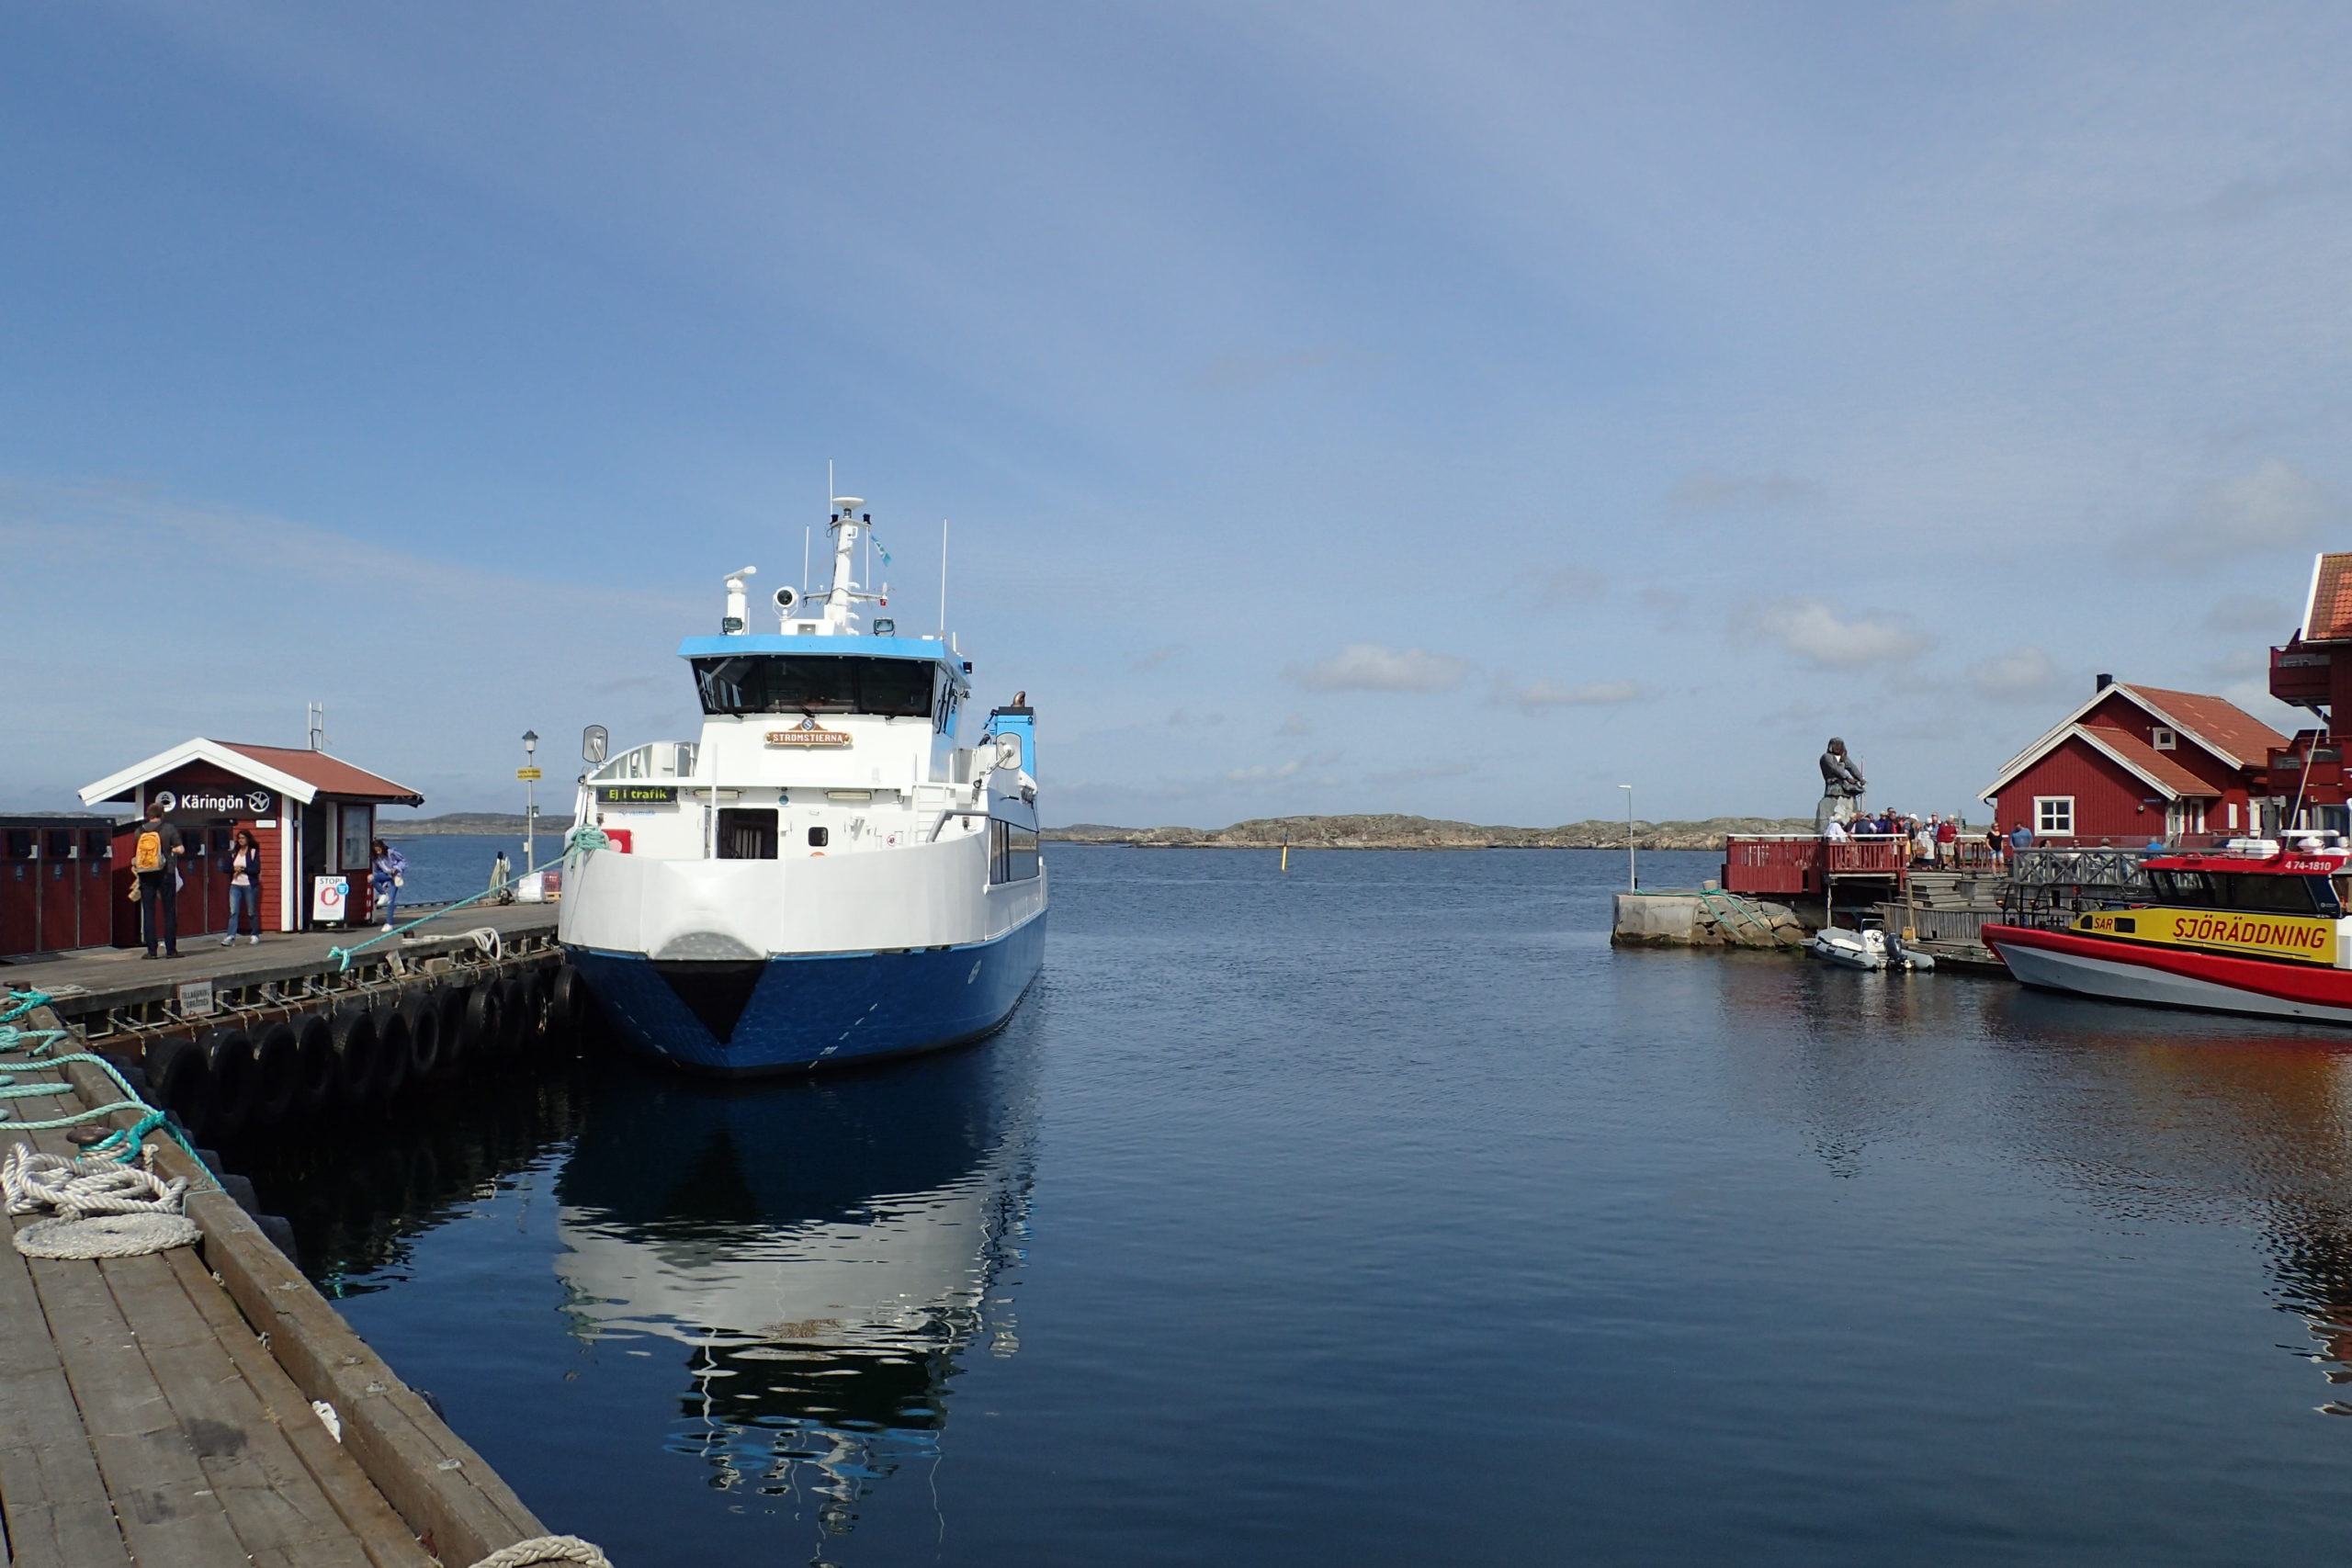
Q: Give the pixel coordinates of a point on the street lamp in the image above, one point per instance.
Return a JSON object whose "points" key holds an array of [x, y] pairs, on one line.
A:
{"points": [[530, 797], [1632, 877]]}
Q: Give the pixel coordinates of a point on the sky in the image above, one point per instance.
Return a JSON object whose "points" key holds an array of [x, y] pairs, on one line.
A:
{"points": [[1460, 409]]}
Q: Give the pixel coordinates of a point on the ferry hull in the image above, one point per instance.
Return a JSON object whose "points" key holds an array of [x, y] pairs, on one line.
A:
{"points": [[793, 1014], [2206, 981]]}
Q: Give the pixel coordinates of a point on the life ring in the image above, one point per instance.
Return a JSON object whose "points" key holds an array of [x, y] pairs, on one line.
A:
{"points": [[277, 1063], [180, 1079], [230, 1054], [423, 1039], [392, 1048], [358, 1055], [317, 1068]]}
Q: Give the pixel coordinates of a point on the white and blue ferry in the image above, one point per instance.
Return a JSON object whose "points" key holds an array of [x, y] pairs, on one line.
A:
{"points": [[828, 874]]}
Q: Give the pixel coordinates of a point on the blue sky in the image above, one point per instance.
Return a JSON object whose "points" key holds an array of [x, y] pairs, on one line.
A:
{"points": [[1452, 409]]}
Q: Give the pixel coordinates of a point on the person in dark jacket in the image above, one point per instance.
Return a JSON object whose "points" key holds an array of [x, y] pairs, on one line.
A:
{"points": [[245, 886]]}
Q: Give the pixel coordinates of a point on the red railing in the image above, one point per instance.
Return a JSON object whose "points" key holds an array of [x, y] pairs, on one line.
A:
{"points": [[1798, 863]]}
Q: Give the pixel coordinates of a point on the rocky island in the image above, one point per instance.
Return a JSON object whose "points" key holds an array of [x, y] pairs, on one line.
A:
{"points": [[1389, 831]]}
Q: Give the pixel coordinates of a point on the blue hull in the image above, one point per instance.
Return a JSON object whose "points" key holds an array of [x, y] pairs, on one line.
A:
{"points": [[781, 1015]]}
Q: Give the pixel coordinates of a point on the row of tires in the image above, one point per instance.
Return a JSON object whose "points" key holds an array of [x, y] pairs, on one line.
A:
{"points": [[242, 1079]]}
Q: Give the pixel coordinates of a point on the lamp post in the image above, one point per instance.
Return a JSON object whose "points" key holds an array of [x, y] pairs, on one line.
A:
{"points": [[530, 797], [1632, 877]]}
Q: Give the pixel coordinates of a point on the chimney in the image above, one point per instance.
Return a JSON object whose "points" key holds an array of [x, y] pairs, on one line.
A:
{"points": [[2105, 682]]}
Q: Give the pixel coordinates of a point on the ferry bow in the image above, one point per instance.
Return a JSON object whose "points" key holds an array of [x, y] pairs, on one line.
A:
{"points": [[828, 874]]}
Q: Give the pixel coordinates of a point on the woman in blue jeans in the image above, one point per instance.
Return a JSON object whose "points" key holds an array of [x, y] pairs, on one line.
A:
{"points": [[244, 885], [386, 878]]}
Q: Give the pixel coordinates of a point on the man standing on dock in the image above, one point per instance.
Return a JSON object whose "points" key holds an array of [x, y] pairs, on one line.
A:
{"points": [[1841, 786], [155, 856]]}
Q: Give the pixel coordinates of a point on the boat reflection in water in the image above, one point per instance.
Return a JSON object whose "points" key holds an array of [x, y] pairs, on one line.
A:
{"points": [[821, 1252]]}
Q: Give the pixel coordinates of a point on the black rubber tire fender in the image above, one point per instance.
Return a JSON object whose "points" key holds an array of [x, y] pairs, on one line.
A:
{"points": [[277, 1063], [392, 1048], [481, 1030], [565, 996], [357, 1053], [535, 989], [514, 1015], [450, 1003], [318, 1066], [179, 1079], [423, 1039], [235, 1083]]}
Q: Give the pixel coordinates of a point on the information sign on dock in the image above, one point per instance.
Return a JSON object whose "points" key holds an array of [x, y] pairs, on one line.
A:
{"points": [[529, 774]]}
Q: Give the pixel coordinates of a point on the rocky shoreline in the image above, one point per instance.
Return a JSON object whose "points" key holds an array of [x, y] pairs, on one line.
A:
{"points": [[1397, 832]]}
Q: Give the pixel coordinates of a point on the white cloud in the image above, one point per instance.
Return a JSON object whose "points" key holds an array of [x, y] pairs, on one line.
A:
{"points": [[1816, 633], [1296, 724], [2023, 674], [1279, 773], [1567, 584], [1371, 667], [2274, 507], [1538, 696], [1156, 658]]}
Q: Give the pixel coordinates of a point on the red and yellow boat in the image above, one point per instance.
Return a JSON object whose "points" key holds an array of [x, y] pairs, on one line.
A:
{"points": [[2257, 928]]}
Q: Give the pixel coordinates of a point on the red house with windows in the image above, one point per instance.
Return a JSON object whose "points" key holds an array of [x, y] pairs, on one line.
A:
{"points": [[2140, 762]]}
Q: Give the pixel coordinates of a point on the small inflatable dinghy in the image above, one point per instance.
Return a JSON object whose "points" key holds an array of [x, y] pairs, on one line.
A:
{"points": [[1854, 949]]}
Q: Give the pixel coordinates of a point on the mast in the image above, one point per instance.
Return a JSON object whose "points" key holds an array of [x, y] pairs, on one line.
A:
{"points": [[846, 526]]}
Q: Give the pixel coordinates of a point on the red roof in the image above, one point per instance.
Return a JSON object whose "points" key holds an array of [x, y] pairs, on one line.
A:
{"points": [[2218, 722], [2328, 617], [332, 774], [2161, 766]]}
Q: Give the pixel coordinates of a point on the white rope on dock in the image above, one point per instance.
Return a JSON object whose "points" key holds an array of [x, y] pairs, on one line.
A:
{"points": [[108, 1235], [105, 1209], [547, 1549]]}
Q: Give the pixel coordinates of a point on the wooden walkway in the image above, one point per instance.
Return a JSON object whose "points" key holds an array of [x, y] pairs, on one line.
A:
{"points": [[157, 1410]]}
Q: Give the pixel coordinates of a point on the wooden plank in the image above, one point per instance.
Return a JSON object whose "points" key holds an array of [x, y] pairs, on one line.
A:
{"points": [[362, 1508], [52, 1496], [166, 1506], [272, 1501], [456, 1504]]}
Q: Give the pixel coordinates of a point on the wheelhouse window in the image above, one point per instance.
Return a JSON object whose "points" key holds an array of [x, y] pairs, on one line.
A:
{"points": [[794, 683], [2254, 894], [1012, 852], [2054, 814]]}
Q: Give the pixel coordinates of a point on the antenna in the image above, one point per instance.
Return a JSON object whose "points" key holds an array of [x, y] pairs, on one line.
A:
{"points": [[317, 718], [807, 532], [942, 577]]}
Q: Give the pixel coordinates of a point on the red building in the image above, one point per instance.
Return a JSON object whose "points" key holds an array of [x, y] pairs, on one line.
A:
{"points": [[2140, 762], [313, 816]]}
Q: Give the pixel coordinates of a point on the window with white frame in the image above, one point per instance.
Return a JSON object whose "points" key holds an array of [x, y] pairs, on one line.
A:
{"points": [[2164, 739], [2054, 814]]}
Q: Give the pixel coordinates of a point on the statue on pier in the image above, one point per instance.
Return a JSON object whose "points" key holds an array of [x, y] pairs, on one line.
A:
{"points": [[1841, 786]]}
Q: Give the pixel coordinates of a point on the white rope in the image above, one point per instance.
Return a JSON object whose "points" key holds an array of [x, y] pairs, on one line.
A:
{"points": [[547, 1549], [108, 1235], [75, 1188]]}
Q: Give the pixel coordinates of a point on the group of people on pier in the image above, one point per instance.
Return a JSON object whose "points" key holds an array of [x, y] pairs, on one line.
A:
{"points": [[1933, 840]]}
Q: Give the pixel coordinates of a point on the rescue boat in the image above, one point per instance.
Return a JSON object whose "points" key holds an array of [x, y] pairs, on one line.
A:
{"points": [[2254, 929]]}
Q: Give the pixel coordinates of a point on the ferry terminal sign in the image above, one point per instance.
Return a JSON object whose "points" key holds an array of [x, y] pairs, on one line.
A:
{"points": [[2306, 940], [807, 733]]}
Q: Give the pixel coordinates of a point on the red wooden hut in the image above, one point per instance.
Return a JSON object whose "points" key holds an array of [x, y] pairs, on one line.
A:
{"points": [[2139, 762], [313, 816]]}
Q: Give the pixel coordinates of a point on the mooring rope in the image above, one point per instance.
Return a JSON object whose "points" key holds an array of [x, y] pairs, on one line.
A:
{"points": [[103, 1209], [580, 839], [547, 1549]]}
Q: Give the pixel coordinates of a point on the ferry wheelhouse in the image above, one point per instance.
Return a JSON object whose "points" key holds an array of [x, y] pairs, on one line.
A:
{"points": [[2255, 929], [827, 875]]}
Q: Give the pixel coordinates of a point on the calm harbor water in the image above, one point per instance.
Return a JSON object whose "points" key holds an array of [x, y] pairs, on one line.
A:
{"points": [[1380, 1214]]}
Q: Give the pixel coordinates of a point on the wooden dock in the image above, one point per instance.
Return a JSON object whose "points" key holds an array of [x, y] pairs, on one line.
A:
{"points": [[158, 1410]]}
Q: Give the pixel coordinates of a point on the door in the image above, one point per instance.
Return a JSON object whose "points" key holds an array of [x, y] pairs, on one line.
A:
{"points": [[61, 905], [746, 833]]}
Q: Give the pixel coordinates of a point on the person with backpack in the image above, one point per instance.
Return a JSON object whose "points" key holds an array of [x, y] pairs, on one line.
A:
{"points": [[386, 877], [155, 851], [245, 886]]}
